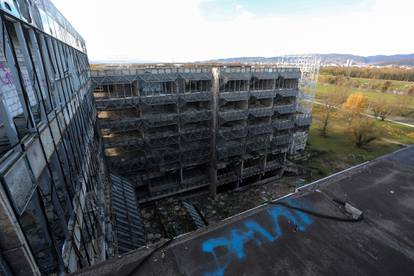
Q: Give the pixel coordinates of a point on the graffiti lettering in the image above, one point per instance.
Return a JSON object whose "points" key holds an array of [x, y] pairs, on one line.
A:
{"points": [[234, 242]]}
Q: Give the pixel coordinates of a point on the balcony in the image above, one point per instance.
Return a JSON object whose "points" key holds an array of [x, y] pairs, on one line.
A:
{"points": [[195, 135], [261, 111], [282, 140], [303, 120], [233, 133], [121, 125], [195, 116], [234, 115], [260, 129], [234, 96], [226, 178], [196, 97], [116, 103], [288, 92], [251, 171], [285, 109], [283, 124], [263, 94], [272, 165], [230, 149], [159, 99]]}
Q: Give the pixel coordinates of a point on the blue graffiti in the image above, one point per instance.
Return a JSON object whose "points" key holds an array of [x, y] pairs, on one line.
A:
{"points": [[251, 231]]}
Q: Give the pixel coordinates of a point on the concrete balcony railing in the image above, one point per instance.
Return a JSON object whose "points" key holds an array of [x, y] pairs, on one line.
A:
{"points": [[196, 97], [234, 96], [285, 109], [251, 171], [121, 125], [226, 178], [260, 129], [263, 94], [233, 133], [283, 124], [158, 120], [159, 99], [282, 140], [162, 142], [233, 115], [196, 116], [259, 144], [229, 150], [198, 134], [130, 142], [261, 111], [118, 103], [288, 92], [303, 120], [272, 165], [197, 157]]}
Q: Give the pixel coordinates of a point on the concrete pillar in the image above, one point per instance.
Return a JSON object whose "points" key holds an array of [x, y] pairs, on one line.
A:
{"points": [[215, 87]]}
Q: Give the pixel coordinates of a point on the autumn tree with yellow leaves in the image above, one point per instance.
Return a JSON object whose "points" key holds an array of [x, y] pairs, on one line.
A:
{"points": [[355, 106], [362, 128]]}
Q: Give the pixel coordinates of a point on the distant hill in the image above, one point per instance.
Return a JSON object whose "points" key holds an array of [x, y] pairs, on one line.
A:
{"points": [[338, 59]]}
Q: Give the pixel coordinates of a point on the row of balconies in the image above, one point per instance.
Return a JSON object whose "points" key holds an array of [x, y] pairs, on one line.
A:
{"points": [[158, 140], [242, 132], [258, 94], [156, 120], [235, 115], [122, 102], [234, 148]]}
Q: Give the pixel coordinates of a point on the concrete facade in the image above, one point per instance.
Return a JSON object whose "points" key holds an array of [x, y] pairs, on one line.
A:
{"points": [[175, 128]]}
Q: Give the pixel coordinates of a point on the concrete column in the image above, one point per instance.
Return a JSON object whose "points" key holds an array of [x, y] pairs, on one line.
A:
{"points": [[215, 87]]}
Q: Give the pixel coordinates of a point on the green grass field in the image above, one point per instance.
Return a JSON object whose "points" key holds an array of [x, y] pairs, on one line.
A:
{"points": [[337, 151], [323, 89], [364, 83]]}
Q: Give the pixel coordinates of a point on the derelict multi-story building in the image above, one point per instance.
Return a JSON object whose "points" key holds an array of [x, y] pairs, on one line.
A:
{"points": [[54, 212], [175, 128]]}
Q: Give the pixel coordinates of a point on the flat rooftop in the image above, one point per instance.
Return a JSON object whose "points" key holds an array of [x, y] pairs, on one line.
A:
{"points": [[305, 233]]}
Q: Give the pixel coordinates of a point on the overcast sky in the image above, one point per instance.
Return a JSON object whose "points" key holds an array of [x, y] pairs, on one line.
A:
{"points": [[191, 30]]}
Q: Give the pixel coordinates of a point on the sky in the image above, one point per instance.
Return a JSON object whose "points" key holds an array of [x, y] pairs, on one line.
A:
{"points": [[196, 30]]}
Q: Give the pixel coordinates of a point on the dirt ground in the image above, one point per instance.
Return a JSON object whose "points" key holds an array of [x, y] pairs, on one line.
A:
{"points": [[168, 217]]}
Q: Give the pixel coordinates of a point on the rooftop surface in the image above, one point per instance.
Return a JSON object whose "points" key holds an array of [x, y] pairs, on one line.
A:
{"points": [[305, 233]]}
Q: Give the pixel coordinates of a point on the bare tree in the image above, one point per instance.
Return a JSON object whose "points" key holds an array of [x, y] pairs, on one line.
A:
{"points": [[363, 131], [331, 105], [381, 108]]}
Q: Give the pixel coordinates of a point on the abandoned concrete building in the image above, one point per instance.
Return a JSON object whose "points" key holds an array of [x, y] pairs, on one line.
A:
{"points": [[175, 129], [81, 150]]}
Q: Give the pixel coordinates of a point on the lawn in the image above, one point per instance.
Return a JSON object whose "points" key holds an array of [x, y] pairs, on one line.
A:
{"points": [[323, 89], [337, 151]]}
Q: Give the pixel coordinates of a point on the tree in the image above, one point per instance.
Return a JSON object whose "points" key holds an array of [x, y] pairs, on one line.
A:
{"points": [[355, 106], [331, 105], [410, 91], [363, 131], [381, 108], [385, 86]]}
